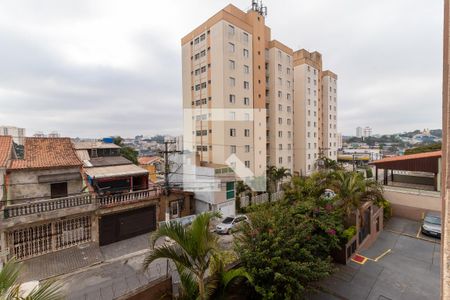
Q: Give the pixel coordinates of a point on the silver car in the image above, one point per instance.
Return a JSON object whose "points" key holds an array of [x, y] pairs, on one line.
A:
{"points": [[431, 224], [227, 225]]}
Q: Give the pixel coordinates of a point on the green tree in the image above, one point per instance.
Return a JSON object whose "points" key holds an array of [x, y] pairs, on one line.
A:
{"points": [[127, 152], [10, 288], [287, 246], [422, 149], [275, 176], [352, 189], [196, 255]]}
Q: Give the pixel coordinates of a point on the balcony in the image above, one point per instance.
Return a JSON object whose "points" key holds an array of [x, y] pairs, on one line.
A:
{"points": [[127, 198], [43, 206], [29, 211]]}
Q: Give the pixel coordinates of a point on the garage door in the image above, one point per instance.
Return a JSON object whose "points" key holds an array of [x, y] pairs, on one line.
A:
{"points": [[117, 227]]}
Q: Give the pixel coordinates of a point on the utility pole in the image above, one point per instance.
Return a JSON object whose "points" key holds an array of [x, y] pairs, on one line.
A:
{"points": [[167, 165]]}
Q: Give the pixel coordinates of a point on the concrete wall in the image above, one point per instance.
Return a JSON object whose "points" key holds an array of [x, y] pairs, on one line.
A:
{"points": [[411, 204], [24, 183]]}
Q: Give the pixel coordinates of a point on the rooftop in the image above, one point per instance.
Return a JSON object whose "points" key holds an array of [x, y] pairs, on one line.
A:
{"points": [[5, 150], [147, 160], [94, 145], [115, 171], [47, 153]]}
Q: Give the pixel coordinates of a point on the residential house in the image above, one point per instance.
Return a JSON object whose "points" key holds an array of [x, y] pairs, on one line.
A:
{"points": [[154, 165], [213, 185], [46, 207]]}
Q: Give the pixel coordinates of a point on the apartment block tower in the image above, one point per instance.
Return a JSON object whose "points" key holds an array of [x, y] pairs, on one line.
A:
{"points": [[249, 95]]}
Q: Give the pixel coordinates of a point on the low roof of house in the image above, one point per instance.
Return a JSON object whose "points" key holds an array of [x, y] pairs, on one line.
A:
{"points": [[46, 153], [94, 145], [115, 171], [109, 161], [147, 160], [6, 145], [421, 162]]}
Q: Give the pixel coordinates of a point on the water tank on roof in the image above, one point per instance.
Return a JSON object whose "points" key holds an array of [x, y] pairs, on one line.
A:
{"points": [[108, 140]]}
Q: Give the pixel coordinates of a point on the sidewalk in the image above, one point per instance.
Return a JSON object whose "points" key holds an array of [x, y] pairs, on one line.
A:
{"points": [[61, 262]]}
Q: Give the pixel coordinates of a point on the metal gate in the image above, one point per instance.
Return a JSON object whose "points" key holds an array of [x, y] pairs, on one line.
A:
{"points": [[40, 239], [121, 226]]}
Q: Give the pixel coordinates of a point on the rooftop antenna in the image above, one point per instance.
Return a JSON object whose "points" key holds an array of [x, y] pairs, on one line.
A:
{"points": [[259, 7]]}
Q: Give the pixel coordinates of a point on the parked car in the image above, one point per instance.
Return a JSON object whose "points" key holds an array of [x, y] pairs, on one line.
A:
{"points": [[431, 224], [230, 222]]}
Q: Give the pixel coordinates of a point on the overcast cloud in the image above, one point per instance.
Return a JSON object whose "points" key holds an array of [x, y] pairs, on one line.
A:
{"points": [[96, 68]]}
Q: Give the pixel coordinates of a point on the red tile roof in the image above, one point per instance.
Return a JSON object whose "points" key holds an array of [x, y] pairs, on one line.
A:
{"points": [[147, 160], [5, 150], [409, 156], [47, 153]]}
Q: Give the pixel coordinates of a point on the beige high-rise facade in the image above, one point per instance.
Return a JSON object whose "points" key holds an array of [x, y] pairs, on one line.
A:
{"points": [[445, 163], [249, 95]]}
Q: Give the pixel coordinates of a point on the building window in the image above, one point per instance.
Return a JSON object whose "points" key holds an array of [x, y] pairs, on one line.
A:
{"points": [[280, 146], [231, 30], [288, 96], [246, 132], [280, 107], [289, 159], [280, 133], [232, 81], [233, 149], [289, 147], [280, 81], [288, 108], [288, 121], [280, 94], [280, 160], [232, 132], [245, 37], [58, 190], [232, 64], [245, 53], [246, 101], [247, 148], [247, 163], [280, 121], [246, 69], [288, 83], [233, 99], [246, 85], [288, 70], [230, 190], [231, 47]]}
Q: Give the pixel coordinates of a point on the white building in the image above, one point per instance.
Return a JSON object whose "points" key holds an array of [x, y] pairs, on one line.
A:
{"points": [[359, 132], [18, 134], [367, 131]]}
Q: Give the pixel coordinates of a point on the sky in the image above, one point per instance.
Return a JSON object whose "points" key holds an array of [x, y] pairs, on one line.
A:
{"points": [[99, 68]]}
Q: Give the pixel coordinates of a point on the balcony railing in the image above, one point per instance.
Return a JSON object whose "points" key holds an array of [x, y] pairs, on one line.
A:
{"points": [[41, 206], [112, 200]]}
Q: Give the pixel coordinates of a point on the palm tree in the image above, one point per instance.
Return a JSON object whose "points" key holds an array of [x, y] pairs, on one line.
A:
{"points": [[352, 189], [280, 174], [194, 253], [10, 288]]}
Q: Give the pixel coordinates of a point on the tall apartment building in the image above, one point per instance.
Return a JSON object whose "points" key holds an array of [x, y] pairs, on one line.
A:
{"points": [[367, 131], [359, 132], [18, 134], [249, 95]]}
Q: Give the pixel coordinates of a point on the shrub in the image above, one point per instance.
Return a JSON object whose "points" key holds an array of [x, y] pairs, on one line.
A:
{"points": [[369, 173], [349, 233]]}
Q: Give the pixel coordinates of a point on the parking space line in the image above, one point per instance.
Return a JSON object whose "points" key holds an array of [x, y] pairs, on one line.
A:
{"points": [[418, 232]]}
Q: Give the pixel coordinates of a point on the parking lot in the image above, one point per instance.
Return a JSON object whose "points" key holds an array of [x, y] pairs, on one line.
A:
{"points": [[401, 264]]}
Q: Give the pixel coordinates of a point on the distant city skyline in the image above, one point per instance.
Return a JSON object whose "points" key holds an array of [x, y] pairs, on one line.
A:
{"points": [[96, 68]]}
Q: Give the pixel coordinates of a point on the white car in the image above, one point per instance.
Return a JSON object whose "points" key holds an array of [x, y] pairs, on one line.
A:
{"points": [[229, 223]]}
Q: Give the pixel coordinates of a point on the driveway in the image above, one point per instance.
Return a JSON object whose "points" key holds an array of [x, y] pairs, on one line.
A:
{"points": [[401, 265]]}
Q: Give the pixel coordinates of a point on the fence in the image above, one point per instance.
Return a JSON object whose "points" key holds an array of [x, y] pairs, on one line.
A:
{"points": [[261, 198], [41, 206]]}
